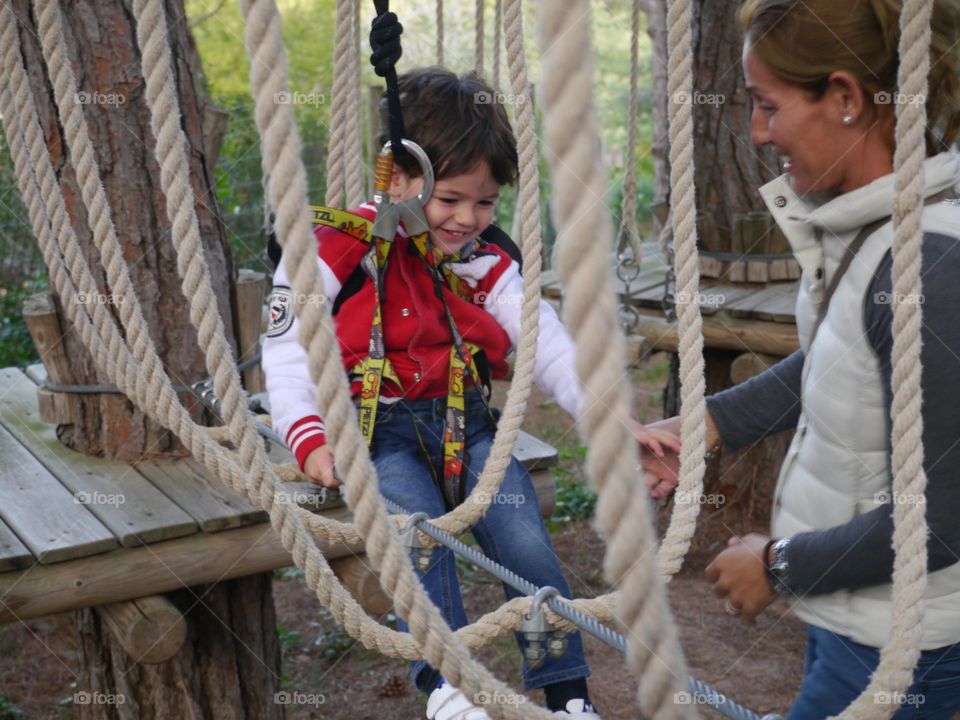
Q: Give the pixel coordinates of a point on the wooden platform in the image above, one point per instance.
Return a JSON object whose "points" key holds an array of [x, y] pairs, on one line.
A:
{"points": [[755, 317], [77, 531]]}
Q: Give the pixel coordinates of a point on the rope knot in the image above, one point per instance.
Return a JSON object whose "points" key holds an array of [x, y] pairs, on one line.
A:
{"points": [[385, 35]]}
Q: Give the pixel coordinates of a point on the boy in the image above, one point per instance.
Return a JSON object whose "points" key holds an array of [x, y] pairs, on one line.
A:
{"points": [[457, 285]]}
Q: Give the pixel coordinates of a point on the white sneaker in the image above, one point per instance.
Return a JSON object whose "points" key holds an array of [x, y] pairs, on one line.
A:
{"points": [[448, 703], [578, 709]]}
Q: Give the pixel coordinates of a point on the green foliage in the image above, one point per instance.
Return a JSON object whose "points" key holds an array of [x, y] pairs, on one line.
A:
{"points": [[9, 711], [16, 347], [574, 500]]}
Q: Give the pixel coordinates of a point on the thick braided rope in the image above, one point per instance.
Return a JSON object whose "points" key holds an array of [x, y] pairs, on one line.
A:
{"points": [[439, 32], [339, 102], [479, 37], [472, 509], [148, 385], [898, 658], [388, 641], [628, 205], [173, 154], [287, 186], [38, 185], [693, 408], [623, 511], [497, 41], [356, 192]]}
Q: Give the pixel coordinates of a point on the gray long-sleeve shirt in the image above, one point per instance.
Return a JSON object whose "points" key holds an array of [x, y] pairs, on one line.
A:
{"points": [[860, 553]]}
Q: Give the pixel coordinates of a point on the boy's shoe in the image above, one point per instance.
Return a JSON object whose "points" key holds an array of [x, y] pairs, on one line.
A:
{"points": [[448, 703], [578, 709]]}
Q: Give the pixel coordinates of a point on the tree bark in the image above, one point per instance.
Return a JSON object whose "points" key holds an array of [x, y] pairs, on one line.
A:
{"points": [[729, 169], [229, 666], [102, 34]]}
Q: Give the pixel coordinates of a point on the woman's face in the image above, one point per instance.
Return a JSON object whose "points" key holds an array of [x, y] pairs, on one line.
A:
{"points": [[807, 134]]}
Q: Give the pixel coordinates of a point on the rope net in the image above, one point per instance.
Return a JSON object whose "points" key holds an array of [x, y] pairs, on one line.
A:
{"points": [[129, 358]]}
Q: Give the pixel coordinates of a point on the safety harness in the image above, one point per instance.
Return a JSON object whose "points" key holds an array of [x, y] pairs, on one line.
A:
{"points": [[466, 363]]}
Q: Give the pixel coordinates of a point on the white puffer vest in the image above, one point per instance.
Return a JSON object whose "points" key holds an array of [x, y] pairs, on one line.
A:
{"points": [[837, 465]]}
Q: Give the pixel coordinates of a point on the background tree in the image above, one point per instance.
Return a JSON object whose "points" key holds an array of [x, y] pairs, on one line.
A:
{"points": [[229, 665]]}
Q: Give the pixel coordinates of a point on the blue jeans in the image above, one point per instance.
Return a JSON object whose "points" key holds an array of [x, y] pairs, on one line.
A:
{"points": [[836, 670], [512, 532]]}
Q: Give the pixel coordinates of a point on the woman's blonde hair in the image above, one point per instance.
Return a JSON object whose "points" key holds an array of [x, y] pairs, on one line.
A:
{"points": [[804, 41]]}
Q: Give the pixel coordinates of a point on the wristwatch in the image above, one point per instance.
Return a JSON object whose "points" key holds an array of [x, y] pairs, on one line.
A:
{"points": [[778, 569]]}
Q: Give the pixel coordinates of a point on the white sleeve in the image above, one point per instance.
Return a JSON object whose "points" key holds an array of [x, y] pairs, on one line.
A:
{"points": [[291, 391], [554, 367]]}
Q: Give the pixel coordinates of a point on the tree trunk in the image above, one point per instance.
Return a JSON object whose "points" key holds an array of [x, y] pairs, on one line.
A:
{"points": [[229, 667], [729, 169], [102, 34]]}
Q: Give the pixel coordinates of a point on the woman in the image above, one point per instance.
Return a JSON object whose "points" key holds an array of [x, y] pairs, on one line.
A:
{"points": [[822, 77]]}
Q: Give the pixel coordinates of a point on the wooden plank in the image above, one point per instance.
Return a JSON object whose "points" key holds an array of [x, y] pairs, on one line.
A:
{"points": [[126, 574], [533, 453], [714, 297], [42, 512], [211, 504], [133, 510], [776, 302], [649, 277], [13, 553], [723, 332]]}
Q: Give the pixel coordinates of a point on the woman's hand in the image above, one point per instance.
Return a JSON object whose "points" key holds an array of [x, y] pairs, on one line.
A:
{"points": [[663, 470], [319, 467], [739, 574]]}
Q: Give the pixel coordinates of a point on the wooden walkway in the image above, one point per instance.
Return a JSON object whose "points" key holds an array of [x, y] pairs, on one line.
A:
{"points": [[755, 317], [77, 531]]}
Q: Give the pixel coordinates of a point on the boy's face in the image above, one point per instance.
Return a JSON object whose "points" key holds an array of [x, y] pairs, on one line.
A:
{"points": [[460, 208]]}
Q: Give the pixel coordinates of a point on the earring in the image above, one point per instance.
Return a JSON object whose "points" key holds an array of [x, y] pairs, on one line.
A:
{"points": [[847, 120]]}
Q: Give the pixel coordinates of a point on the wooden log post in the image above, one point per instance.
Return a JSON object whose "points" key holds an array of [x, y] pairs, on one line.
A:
{"points": [[249, 294], [40, 316], [359, 577], [150, 629]]}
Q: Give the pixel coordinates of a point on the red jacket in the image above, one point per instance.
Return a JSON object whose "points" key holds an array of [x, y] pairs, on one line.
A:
{"points": [[416, 332]]}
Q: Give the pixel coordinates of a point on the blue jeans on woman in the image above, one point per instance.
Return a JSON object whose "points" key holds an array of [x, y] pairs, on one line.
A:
{"points": [[512, 532], [836, 670]]}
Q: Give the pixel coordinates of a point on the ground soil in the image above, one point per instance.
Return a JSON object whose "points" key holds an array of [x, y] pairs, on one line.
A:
{"points": [[759, 666]]}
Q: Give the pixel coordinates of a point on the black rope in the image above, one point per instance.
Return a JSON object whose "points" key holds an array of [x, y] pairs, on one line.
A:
{"points": [[385, 35]]}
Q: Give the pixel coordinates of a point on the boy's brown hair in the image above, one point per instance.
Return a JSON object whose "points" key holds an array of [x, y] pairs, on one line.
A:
{"points": [[458, 121]]}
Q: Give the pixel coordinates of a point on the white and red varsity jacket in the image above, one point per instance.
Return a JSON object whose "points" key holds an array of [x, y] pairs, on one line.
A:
{"points": [[416, 332]]}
